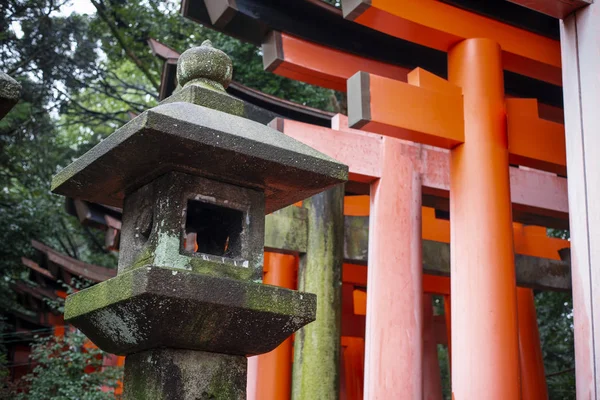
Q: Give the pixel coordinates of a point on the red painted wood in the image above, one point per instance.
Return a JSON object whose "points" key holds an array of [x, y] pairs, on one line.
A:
{"points": [[432, 380], [533, 377], [485, 362], [270, 374], [393, 348], [532, 192]]}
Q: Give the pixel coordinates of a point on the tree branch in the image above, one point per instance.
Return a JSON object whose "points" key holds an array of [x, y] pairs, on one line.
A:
{"points": [[94, 241], [68, 236], [115, 31], [65, 249], [566, 371]]}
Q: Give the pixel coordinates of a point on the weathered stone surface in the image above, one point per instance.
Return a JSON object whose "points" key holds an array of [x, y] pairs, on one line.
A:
{"points": [[207, 97], [204, 142], [154, 307], [317, 346], [204, 64], [286, 230], [533, 272], [356, 240], [172, 374], [154, 222], [10, 91]]}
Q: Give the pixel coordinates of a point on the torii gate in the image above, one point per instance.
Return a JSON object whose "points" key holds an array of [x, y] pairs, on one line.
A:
{"points": [[465, 115]]}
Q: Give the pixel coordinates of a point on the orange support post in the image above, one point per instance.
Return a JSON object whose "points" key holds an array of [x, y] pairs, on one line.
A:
{"points": [[393, 347], [270, 374], [533, 377], [432, 380], [352, 369], [486, 353], [353, 324]]}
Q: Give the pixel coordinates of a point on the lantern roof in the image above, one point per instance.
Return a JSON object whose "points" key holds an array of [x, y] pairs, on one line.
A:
{"points": [[198, 131]]}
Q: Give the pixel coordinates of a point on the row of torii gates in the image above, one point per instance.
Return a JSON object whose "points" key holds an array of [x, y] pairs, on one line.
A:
{"points": [[454, 100]]}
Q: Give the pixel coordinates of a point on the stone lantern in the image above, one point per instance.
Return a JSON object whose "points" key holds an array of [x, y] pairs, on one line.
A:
{"points": [[195, 180]]}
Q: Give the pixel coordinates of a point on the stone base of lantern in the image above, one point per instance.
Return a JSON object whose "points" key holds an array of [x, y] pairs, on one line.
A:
{"points": [[184, 375]]}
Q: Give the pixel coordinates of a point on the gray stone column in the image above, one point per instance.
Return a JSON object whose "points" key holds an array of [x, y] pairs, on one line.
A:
{"points": [[317, 346], [184, 375]]}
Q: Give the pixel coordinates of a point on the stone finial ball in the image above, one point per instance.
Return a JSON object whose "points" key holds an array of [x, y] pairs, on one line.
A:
{"points": [[202, 63]]}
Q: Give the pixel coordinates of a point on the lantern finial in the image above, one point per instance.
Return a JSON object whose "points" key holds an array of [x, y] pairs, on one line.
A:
{"points": [[205, 66]]}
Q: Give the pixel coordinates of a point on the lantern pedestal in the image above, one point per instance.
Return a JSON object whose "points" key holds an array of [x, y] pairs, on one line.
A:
{"points": [[185, 375]]}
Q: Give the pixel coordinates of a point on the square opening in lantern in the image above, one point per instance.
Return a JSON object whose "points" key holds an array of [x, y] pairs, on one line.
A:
{"points": [[213, 229]]}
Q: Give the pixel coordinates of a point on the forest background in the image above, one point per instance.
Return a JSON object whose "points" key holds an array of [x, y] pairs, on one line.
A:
{"points": [[85, 67]]}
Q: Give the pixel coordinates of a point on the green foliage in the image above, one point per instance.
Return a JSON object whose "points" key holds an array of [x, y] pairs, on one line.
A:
{"points": [[65, 370], [555, 322], [50, 57], [444, 362]]}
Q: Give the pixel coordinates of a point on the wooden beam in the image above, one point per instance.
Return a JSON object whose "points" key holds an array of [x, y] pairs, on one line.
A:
{"points": [[37, 292], [298, 59], [294, 58], [538, 198], [404, 111], [313, 63], [75, 267], [354, 308], [359, 150], [35, 267], [356, 275], [436, 284], [533, 272], [440, 26], [538, 263], [161, 50], [532, 141], [429, 110], [555, 8]]}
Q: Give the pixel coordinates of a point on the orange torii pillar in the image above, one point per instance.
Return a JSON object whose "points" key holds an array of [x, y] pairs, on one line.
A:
{"points": [[394, 325], [533, 377], [432, 380], [485, 345], [270, 374]]}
